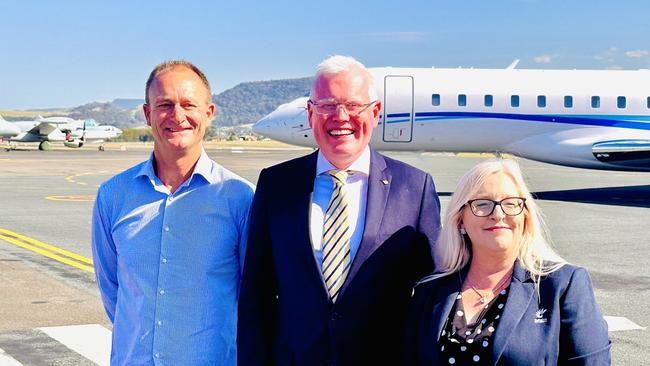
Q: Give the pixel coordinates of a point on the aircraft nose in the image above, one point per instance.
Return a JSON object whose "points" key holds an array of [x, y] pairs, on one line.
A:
{"points": [[9, 129], [262, 126], [118, 132]]}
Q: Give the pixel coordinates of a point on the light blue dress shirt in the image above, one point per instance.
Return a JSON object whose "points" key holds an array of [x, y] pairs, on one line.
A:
{"points": [[168, 266], [357, 192]]}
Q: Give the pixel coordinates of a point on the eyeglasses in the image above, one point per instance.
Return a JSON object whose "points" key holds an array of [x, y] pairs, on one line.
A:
{"points": [[511, 206], [328, 106]]}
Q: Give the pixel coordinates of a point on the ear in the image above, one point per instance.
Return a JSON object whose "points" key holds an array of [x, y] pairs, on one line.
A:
{"points": [[310, 112], [376, 109], [210, 112], [147, 113]]}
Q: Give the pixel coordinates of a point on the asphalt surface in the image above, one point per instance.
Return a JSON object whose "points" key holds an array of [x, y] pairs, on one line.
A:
{"points": [[596, 219]]}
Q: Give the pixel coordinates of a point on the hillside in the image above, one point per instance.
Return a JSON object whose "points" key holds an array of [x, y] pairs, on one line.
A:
{"points": [[248, 102], [242, 104]]}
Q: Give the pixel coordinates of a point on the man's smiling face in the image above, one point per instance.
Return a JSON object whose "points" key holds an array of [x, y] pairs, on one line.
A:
{"points": [[179, 110], [341, 137]]}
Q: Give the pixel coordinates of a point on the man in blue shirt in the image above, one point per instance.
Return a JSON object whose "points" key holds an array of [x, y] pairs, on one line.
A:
{"points": [[169, 236]]}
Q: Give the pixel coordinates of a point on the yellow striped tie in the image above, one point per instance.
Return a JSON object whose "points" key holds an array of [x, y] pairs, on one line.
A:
{"points": [[336, 236]]}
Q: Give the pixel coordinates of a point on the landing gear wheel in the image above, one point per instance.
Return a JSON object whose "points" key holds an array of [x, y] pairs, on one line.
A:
{"points": [[101, 148], [45, 146]]}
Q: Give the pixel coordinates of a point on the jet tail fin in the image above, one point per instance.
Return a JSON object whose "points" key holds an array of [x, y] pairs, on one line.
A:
{"points": [[513, 65]]}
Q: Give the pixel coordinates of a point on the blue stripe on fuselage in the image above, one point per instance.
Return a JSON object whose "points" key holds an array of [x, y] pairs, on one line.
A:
{"points": [[639, 122]]}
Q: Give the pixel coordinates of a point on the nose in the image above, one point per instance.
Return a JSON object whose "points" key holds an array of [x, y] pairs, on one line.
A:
{"points": [[341, 113], [497, 212], [178, 113]]}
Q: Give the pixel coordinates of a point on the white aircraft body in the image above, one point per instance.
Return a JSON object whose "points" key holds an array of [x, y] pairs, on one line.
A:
{"points": [[8, 129], [597, 119], [73, 133]]}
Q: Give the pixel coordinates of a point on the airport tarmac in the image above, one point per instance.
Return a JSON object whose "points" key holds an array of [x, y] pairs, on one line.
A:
{"points": [[597, 219]]}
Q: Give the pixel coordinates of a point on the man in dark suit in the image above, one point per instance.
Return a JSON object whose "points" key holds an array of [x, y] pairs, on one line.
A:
{"points": [[337, 239]]}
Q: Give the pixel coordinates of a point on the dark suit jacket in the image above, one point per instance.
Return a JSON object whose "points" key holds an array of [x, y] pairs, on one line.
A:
{"points": [[285, 314], [562, 326]]}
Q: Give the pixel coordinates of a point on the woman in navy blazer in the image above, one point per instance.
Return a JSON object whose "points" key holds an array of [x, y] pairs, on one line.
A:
{"points": [[500, 294]]}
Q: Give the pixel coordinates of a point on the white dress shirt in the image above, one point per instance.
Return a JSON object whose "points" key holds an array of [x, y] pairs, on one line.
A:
{"points": [[357, 192]]}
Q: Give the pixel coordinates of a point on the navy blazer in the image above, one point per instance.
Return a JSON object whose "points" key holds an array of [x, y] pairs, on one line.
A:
{"points": [[285, 314], [562, 326]]}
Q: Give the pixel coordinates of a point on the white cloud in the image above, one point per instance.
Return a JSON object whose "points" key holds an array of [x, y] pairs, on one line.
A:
{"points": [[637, 53], [610, 55], [544, 59]]}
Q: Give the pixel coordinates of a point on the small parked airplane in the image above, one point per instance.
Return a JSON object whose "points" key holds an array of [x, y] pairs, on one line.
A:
{"points": [[73, 133], [8, 129], [596, 119]]}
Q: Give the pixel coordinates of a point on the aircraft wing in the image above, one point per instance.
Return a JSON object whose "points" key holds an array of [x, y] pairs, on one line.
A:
{"points": [[44, 128]]}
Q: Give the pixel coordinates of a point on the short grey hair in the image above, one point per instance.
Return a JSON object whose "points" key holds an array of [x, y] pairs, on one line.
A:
{"points": [[337, 64]]}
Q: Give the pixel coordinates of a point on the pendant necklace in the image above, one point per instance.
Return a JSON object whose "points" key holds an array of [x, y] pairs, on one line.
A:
{"points": [[497, 288]]}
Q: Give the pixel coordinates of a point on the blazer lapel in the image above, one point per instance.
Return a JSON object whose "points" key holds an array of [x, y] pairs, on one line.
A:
{"points": [[441, 311], [379, 182], [522, 289], [447, 293], [297, 217]]}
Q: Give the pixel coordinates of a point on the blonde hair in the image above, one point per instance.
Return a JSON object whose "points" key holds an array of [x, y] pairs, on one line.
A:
{"points": [[453, 252]]}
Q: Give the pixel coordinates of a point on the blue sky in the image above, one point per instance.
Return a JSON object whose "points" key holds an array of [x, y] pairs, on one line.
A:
{"points": [[67, 53]]}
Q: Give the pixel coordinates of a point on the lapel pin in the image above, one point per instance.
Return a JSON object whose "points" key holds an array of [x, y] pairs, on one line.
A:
{"points": [[385, 181]]}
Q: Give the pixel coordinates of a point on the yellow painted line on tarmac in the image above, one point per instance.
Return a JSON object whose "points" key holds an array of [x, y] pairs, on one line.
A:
{"points": [[77, 198], [48, 250], [72, 178]]}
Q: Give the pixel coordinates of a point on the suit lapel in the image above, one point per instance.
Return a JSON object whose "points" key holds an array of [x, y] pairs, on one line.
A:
{"points": [[379, 182], [448, 291], [441, 311], [298, 217], [522, 289]]}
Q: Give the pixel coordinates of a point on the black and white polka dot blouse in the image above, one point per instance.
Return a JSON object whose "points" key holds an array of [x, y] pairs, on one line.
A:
{"points": [[470, 344]]}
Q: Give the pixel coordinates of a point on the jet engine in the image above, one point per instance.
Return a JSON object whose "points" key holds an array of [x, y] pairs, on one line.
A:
{"points": [[75, 143]]}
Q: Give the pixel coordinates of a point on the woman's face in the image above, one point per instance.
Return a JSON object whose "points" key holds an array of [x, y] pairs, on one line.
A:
{"points": [[496, 233]]}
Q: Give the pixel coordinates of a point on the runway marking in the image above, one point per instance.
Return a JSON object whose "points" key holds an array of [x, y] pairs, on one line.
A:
{"points": [[90, 340], [72, 178], [48, 250], [6, 360], [619, 323], [79, 198]]}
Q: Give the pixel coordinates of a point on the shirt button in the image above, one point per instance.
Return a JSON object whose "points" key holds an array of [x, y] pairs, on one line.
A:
{"points": [[166, 228], [159, 322], [157, 355], [164, 260], [162, 292]]}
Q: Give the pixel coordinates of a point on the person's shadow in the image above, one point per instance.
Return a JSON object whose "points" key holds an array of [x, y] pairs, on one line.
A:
{"points": [[633, 196]]}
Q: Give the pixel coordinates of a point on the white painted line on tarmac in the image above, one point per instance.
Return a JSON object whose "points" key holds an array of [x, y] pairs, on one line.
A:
{"points": [[6, 360], [619, 323], [91, 340]]}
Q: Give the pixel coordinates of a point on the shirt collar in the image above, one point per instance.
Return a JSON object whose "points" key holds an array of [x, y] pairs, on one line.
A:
{"points": [[361, 165], [203, 168]]}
